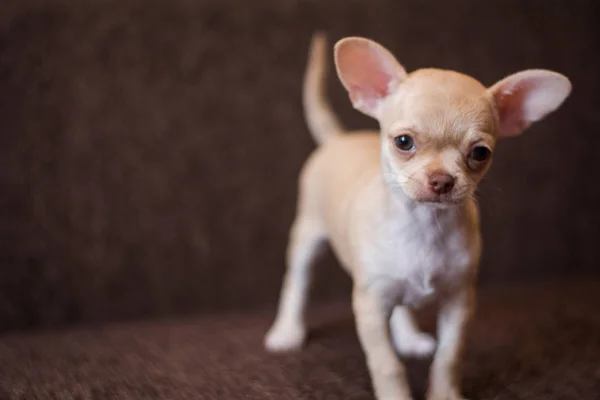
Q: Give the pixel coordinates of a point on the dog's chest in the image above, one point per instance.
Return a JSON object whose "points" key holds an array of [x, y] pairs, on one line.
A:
{"points": [[418, 253]]}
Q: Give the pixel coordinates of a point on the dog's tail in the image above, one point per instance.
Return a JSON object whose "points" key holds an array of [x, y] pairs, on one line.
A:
{"points": [[321, 120]]}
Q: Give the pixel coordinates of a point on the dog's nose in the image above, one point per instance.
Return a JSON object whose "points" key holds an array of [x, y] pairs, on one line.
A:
{"points": [[441, 182]]}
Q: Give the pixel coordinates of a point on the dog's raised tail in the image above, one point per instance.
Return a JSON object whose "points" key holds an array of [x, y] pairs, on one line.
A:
{"points": [[321, 120]]}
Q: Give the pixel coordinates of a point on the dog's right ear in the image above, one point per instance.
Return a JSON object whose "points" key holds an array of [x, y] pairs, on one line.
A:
{"points": [[368, 71], [526, 97]]}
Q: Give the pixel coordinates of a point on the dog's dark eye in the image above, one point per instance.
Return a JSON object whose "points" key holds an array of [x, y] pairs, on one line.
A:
{"points": [[404, 142], [480, 153]]}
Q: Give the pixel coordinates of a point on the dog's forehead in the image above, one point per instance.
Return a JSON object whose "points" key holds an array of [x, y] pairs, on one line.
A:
{"points": [[438, 101], [444, 81]]}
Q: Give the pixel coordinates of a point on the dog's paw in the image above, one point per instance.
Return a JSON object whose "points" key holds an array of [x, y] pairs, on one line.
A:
{"points": [[446, 397], [285, 337], [447, 394], [415, 345]]}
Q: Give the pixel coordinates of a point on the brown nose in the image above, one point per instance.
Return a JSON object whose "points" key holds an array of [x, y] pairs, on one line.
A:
{"points": [[441, 182]]}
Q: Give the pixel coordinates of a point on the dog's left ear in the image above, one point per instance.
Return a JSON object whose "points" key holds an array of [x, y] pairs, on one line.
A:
{"points": [[526, 97], [368, 71]]}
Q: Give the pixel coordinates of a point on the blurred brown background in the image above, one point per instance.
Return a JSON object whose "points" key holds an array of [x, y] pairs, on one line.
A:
{"points": [[150, 149]]}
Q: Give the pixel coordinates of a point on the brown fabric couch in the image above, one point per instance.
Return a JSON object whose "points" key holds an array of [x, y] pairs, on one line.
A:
{"points": [[149, 155]]}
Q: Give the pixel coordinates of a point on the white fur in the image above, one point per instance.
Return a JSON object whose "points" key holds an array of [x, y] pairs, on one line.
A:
{"points": [[402, 243]]}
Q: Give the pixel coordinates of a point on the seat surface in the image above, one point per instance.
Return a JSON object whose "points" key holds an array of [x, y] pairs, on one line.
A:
{"points": [[528, 342]]}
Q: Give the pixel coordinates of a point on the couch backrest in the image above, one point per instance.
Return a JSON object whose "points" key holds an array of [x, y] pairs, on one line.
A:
{"points": [[150, 149]]}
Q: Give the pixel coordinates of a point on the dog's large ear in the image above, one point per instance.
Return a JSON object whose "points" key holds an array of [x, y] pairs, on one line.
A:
{"points": [[368, 71], [526, 97]]}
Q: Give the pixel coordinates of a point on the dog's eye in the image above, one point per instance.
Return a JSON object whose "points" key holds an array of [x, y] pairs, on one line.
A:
{"points": [[404, 142], [480, 153]]}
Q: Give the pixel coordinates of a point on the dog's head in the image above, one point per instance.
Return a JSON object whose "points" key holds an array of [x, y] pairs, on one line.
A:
{"points": [[438, 127]]}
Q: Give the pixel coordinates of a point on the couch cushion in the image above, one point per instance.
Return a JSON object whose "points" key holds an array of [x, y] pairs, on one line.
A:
{"points": [[530, 342]]}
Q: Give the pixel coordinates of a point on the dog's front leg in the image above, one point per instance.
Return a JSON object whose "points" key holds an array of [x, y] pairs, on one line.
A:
{"points": [[372, 320], [454, 316]]}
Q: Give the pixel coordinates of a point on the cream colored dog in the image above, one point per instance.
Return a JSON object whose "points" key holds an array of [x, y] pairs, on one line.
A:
{"points": [[398, 206]]}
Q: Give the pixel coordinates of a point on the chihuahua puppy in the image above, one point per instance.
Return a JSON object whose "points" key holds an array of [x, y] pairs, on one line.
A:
{"points": [[398, 206]]}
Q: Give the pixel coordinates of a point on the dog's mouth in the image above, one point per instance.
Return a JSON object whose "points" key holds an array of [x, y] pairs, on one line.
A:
{"points": [[422, 193], [452, 198], [440, 201]]}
